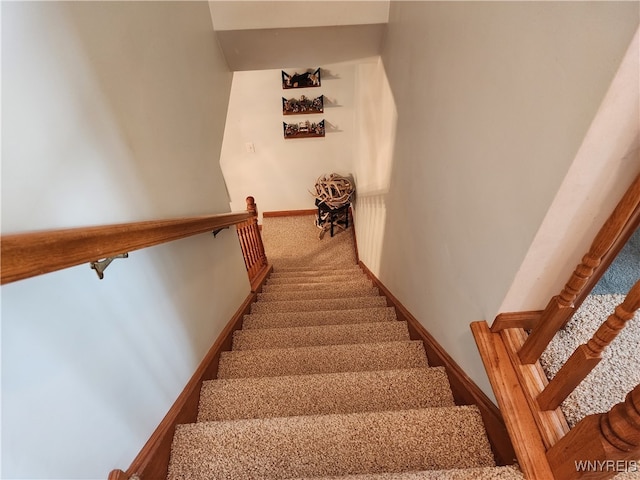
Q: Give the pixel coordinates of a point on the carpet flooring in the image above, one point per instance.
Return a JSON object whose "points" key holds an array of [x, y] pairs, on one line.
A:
{"points": [[324, 382], [624, 271], [617, 373], [619, 370]]}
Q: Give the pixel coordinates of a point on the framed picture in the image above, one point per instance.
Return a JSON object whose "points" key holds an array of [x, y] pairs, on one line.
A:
{"points": [[303, 129], [301, 80], [303, 105]]}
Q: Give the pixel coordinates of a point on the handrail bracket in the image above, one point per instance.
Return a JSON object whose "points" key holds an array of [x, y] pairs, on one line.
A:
{"points": [[101, 265]]}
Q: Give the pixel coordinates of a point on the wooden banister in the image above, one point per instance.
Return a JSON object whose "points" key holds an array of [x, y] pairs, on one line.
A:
{"points": [[29, 254], [588, 355], [561, 307], [600, 445]]}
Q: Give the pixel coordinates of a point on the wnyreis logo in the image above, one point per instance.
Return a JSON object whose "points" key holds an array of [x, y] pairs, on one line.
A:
{"points": [[617, 466]]}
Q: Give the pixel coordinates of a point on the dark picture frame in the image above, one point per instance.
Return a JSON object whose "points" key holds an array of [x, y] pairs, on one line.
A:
{"points": [[305, 129], [310, 78], [303, 105]]}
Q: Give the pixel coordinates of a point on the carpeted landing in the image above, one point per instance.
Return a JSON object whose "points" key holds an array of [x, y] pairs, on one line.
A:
{"points": [[323, 382]]}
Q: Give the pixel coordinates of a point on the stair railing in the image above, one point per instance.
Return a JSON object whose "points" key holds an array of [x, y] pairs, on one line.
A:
{"points": [[26, 255], [562, 307], [250, 238], [587, 356], [601, 445], [545, 445]]}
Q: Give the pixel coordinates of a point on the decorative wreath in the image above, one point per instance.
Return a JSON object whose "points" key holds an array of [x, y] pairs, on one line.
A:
{"points": [[333, 190]]}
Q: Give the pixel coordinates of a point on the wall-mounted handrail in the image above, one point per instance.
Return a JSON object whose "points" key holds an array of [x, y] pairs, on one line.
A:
{"points": [[562, 306], [25, 255]]}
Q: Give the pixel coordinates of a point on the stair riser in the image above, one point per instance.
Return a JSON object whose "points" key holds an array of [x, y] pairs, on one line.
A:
{"points": [[373, 332], [306, 268], [317, 273], [486, 473], [323, 279], [335, 317], [324, 394], [324, 359], [318, 305], [318, 294], [290, 287]]}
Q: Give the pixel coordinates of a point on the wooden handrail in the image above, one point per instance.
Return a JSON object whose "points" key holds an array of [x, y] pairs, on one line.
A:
{"points": [[600, 442], [562, 306], [587, 356], [25, 255]]}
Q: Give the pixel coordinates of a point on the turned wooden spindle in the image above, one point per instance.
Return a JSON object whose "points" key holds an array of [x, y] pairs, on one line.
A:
{"points": [[600, 445], [587, 356], [561, 307], [255, 259], [253, 208]]}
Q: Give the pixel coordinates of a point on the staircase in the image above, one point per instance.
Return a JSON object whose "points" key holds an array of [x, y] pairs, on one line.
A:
{"points": [[324, 382]]}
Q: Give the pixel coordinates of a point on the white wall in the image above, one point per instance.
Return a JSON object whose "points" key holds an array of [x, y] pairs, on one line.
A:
{"points": [[281, 172], [376, 122], [607, 162], [234, 15], [493, 101], [112, 112]]}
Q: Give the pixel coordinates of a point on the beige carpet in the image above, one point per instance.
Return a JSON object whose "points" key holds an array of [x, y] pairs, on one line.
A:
{"points": [[617, 373], [323, 381], [293, 242]]}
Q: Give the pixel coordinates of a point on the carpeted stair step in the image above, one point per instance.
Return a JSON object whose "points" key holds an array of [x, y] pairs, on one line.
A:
{"points": [[351, 333], [289, 287], [335, 292], [314, 305], [321, 317], [328, 393], [355, 270], [510, 472], [336, 277], [318, 267], [322, 359], [324, 445]]}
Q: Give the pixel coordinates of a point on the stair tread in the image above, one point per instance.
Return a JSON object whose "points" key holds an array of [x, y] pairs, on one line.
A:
{"points": [[290, 287], [321, 304], [322, 279], [322, 359], [332, 267], [318, 317], [338, 444], [510, 472], [350, 333], [311, 294], [320, 394], [317, 272]]}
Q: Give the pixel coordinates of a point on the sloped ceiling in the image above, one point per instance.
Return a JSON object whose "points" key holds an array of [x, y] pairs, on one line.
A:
{"points": [[272, 34]]}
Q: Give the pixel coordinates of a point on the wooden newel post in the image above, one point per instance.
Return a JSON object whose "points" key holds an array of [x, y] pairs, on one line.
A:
{"points": [[251, 206], [601, 445]]}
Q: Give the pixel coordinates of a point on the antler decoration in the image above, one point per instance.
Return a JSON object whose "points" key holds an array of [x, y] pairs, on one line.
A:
{"points": [[333, 190]]}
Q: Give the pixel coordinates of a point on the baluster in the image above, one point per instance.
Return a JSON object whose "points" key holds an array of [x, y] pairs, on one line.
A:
{"points": [[253, 250], [561, 307], [243, 244], [600, 445], [257, 254], [261, 253], [587, 356]]}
